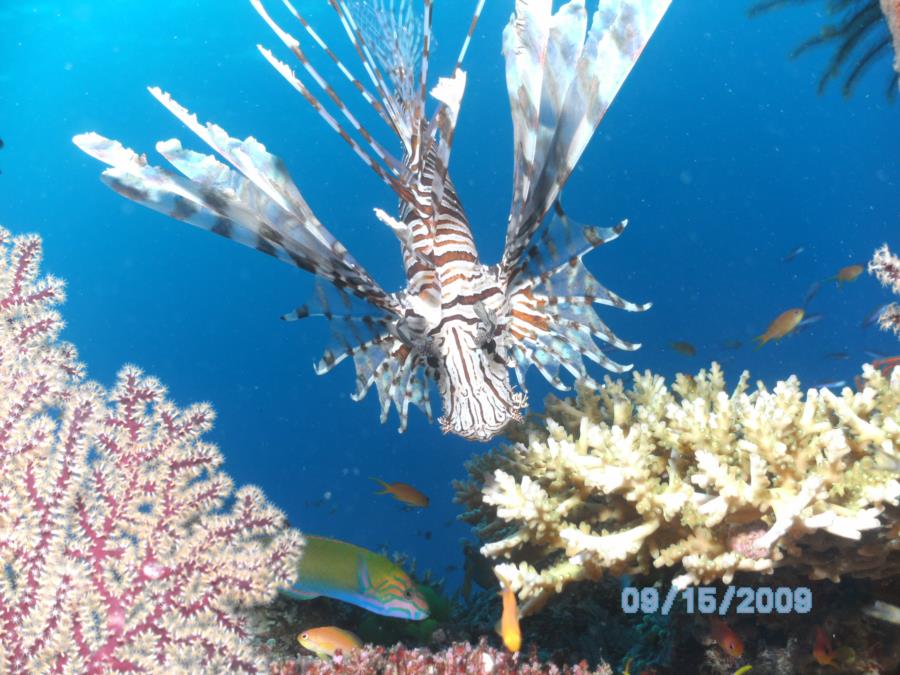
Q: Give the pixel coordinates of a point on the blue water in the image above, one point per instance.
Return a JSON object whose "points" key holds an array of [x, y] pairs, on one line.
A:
{"points": [[717, 149]]}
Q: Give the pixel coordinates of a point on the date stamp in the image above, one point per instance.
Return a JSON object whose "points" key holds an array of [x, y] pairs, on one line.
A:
{"points": [[716, 600]]}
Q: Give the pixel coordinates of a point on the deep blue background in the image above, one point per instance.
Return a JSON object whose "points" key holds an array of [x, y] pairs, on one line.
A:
{"points": [[717, 149]]}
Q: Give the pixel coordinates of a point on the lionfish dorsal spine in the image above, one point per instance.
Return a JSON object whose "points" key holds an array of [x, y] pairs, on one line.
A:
{"points": [[562, 75]]}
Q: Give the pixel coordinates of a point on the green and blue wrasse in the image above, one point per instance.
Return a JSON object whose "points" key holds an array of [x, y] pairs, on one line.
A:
{"points": [[349, 573]]}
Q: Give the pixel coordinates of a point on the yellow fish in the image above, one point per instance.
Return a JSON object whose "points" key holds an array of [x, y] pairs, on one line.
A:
{"points": [[326, 640], [402, 492], [509, 621], [848, 273], [784, 324]]}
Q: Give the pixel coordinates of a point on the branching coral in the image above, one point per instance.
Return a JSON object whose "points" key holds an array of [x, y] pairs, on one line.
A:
{"points": [[116, 550], [886, 267], [693, 477], [863, 31], [458, 658]]}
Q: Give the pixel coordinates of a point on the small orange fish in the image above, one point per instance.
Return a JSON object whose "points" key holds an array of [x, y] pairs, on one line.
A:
{"points": [[508, 627], [402, 492], [848, 273], [823, 651], [784, 324], [326, 640], [684, 348], [726, 638]]}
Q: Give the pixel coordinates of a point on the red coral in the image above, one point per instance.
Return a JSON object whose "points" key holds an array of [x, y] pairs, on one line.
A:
{"points": [[460, 658]]}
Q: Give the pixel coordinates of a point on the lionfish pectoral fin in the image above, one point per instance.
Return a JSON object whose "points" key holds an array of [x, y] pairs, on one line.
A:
{"points": [[553, 320], [562, 77], [253, 201]]}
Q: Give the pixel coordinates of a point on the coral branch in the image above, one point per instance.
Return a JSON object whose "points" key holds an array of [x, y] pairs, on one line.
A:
{"points": [[694, 477], [886, 267], [117, 550]]}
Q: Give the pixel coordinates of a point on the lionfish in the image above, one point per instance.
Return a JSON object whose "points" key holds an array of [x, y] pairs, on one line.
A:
{"points": [[863, 32], [459, 323]]}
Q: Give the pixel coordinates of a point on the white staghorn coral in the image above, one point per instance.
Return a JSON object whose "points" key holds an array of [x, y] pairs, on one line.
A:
{"points": [[886, 268], [694, 477], [117, 552]]}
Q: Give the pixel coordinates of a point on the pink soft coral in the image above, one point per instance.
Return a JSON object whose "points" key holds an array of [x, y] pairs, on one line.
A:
{"points": [[116, 551]]}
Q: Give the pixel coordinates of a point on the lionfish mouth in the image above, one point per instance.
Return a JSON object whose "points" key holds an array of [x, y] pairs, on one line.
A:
{"points": [[482, 429]]}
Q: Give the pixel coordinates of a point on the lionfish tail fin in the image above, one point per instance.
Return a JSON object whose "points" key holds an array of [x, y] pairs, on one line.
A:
{"points": [[553, 322], [562, 77]]}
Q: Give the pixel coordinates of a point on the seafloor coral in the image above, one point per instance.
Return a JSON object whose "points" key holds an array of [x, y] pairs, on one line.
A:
{"points": [[457, 659], [116, 549], [694, 477], [886, 268]]}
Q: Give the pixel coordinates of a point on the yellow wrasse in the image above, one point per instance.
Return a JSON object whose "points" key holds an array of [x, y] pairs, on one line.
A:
{"points": [[784, 324], [848, 273], [336, 569], [509, 621], [402, 492], [326, 640]]}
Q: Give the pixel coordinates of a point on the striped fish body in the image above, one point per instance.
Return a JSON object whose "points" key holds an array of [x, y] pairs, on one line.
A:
{"points": [[342, 571], [459, 323], [457, 301]]}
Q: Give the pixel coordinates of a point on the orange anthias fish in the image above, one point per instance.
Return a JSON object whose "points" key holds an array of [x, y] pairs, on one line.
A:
{"points": [[784, 324], [684, 348], [402, 492], [508, 626], [326, 640], [823, 651], [848, 273], [726, 638]]}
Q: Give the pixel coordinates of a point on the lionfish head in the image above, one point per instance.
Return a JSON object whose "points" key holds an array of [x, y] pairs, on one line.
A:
{"points": [[478, 399]]}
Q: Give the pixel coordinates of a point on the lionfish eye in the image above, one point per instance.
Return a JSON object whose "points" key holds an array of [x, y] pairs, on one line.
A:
{"points": [[491, 346], [407, 593], [433, 361]]}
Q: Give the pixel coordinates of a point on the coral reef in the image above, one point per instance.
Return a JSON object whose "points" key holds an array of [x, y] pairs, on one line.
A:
{"points": [[456, 659], [886, 268], [695, 478], [117, 549]]}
